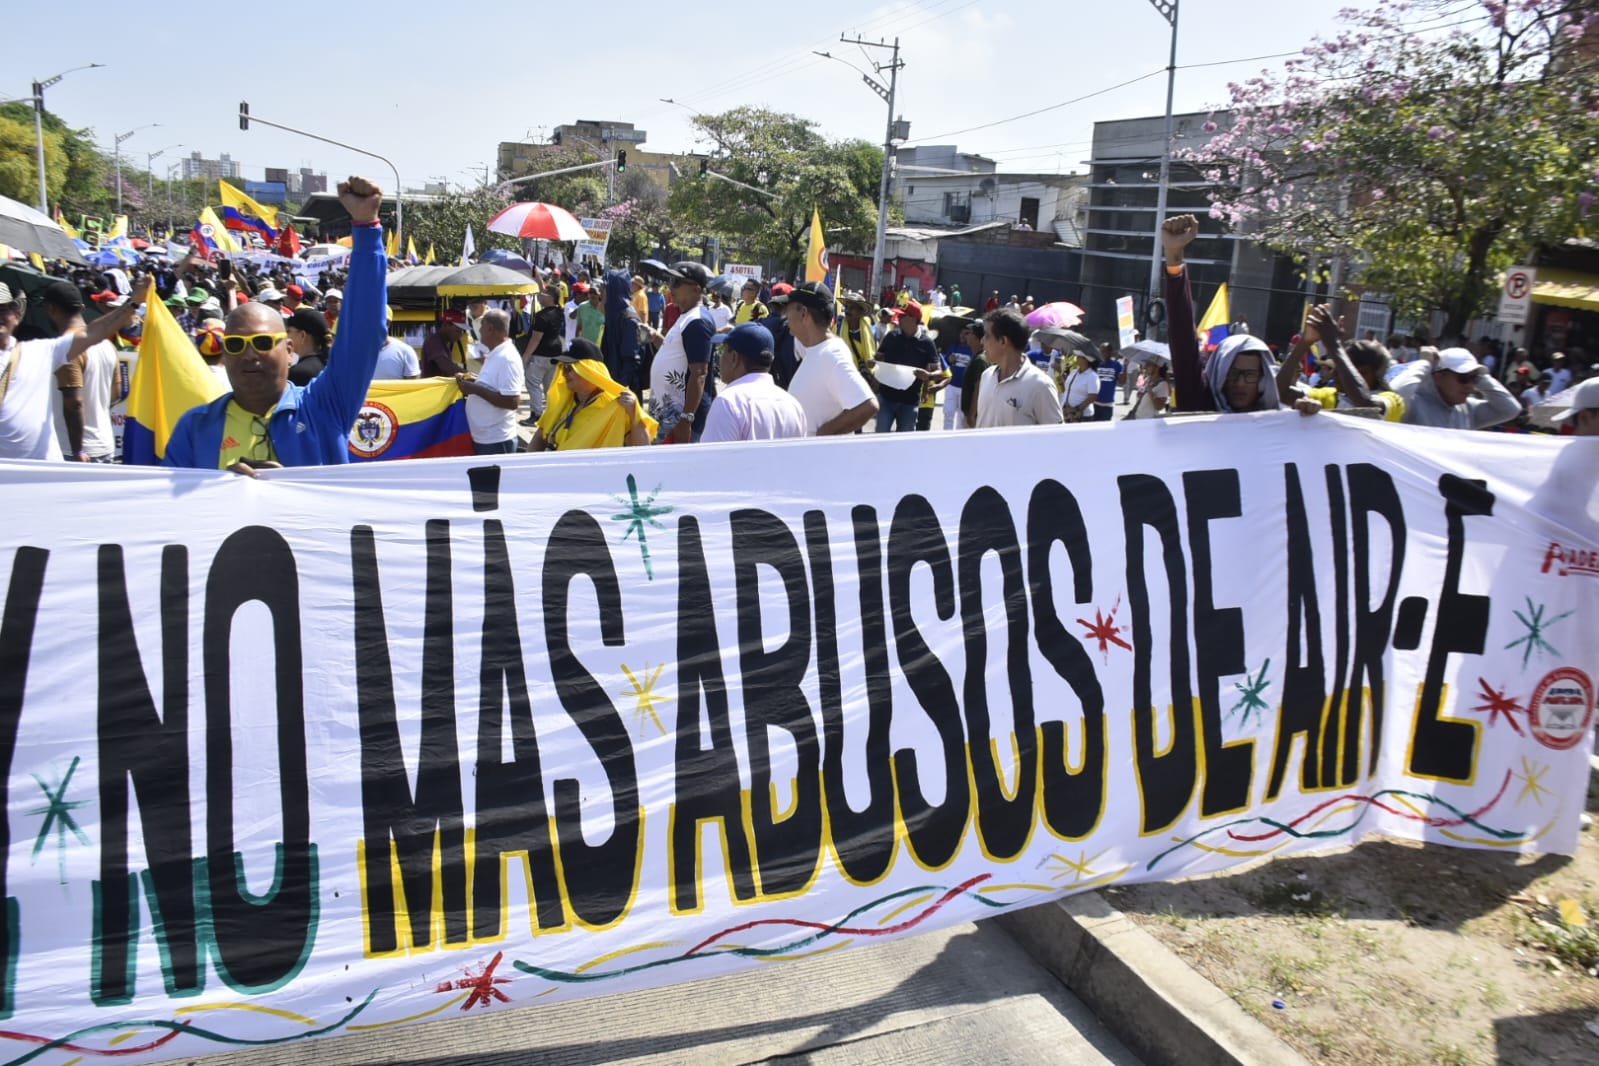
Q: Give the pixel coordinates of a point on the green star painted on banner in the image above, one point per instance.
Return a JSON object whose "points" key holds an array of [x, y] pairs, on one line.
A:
{"points": [[639, 514], [1537, 625], [1252, 686], [57, 813]]}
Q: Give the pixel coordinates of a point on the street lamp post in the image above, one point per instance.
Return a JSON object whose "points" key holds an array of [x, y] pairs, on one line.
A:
{"points": [[1168, 11], [117, 153], [150, 157], [245, 118], [38, 124], [171, 172]]}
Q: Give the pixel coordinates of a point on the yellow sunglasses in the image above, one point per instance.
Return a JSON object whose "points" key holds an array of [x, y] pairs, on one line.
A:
{"points": [[235, 343]]}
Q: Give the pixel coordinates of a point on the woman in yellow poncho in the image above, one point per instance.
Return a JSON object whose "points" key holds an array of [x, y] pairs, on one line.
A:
{"points": [[586, 408]]}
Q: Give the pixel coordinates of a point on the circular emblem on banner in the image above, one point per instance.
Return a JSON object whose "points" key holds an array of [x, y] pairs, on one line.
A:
{"points": [[374, 431], [826, 268], [206, 230], [1561, 708]]}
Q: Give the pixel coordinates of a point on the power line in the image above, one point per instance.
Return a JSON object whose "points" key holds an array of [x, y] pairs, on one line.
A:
{"points": [[1042, 110]]}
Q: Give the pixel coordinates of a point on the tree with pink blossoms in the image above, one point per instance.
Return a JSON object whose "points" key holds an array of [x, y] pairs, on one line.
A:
{"points": [[1428, 144]]}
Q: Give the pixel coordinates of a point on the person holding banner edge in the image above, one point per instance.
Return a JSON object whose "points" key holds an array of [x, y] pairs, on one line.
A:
{"points": [[266, 422]]}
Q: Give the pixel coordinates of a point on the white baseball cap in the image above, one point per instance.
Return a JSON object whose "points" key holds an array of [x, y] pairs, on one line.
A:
{"points": [[1458, 361], [1584, 397]]}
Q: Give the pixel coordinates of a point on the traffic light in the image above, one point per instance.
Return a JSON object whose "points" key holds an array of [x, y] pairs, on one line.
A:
{"points": [[621, 160], [244, 115], [705, 166]]}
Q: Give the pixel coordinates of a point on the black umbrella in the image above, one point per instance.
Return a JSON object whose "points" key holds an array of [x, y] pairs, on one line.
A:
{"points": [[27, 230]]}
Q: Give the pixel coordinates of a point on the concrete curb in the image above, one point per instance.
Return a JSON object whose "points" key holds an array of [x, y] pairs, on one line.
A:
{"points": [[1154, 1002]]}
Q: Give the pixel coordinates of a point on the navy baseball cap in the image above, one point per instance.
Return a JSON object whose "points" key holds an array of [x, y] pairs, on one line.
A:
{"points": [[752, 341]]}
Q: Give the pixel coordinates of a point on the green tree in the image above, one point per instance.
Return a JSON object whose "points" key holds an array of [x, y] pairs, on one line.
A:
{"points": [[1427, 162], [799, 170], [79, 184], [19, 173], [442, 222]]}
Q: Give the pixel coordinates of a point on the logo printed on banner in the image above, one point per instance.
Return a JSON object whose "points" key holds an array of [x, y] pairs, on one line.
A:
{"points": [[1561, 708], [1579, 561], [374, 430]]}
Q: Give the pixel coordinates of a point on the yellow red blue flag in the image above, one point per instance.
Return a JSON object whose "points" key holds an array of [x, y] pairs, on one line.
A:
{"points": [[241, 212], [411, 420], [169, 379]]}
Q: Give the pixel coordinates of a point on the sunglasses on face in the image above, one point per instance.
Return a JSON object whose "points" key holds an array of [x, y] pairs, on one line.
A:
{"points": [[1248, 377], [236, 343], [11, 309]]}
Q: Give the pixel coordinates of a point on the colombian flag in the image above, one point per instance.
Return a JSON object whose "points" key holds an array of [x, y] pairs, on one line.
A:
{"points": [[209, 237], [418, 419], [168, 380], [241, 212], [816, 255], [1215, 325]]}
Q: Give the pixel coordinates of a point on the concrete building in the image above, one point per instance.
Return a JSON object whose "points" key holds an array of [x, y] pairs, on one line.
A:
{"points": [[196, 167], [596, 139]]}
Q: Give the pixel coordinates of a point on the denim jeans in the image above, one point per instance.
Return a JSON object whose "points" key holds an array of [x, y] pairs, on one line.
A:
{"points": [[504, 447], [900, 416]]}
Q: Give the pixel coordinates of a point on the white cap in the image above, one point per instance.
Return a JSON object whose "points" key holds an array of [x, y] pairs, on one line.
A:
{"points": [[333, 294], [268, 295], [1458, 361], [1584, 397]]}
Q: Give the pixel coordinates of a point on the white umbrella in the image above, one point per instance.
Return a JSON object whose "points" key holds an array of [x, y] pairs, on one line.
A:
{"points": [[1142, 351], [319, 251], [26, 229]]}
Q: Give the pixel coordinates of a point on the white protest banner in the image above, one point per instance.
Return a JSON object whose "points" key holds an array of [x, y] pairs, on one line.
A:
{"points": [[342, 748], [744, 270], [599, 228], [584, 250]]}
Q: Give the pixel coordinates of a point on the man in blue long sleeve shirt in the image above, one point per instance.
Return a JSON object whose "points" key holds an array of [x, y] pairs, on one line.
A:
{"points": [[266, 422]]}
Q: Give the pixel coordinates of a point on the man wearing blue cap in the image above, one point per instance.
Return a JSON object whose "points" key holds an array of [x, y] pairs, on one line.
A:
{"points": [[751, 406]]}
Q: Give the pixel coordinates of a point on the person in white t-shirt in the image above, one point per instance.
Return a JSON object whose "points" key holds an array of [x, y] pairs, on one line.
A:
{"points": [[29, 370], [493, 396], [835, 397], [751, 406], [86, 409], [680, 371], [397, 361]]}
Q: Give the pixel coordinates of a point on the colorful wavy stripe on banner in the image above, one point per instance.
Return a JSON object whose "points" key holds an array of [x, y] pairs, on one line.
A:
{"points": [[411, 420], [168, 380]]}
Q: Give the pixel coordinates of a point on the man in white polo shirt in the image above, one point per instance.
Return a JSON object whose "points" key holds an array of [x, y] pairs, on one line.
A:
{"points": [[1014, 392], [493, 396]]}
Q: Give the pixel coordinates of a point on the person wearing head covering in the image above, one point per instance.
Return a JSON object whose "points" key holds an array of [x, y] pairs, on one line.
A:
{"points": [[751, 405], [587, 408], [1239, 376], [618, 341]]}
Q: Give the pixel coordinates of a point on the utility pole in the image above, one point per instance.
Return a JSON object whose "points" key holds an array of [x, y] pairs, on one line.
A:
{"points": [[893, 67], [1168, 11]]}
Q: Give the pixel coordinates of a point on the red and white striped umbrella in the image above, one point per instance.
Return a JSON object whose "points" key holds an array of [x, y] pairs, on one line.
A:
{"points": [[544, 222]]}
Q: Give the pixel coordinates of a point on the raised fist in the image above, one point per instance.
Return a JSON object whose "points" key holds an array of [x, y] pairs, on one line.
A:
{"points": [[360, 198]]}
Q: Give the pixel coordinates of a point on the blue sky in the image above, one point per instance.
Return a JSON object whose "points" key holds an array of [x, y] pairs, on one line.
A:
{"points": [[437, 93]]}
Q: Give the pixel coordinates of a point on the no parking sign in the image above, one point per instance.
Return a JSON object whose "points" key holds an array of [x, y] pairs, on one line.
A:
{"points": [[1515, 298]]}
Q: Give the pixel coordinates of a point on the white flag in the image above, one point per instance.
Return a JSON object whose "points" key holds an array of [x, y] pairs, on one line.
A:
{"points": [[468, 246]]}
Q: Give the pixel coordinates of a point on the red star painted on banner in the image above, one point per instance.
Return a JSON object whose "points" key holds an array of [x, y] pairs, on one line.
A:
{"points": [[480, 985], [1497, 703], [1105, 630]]}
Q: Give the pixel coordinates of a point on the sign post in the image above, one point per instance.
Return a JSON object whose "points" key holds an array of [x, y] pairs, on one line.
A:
{"points": [[1515, 297]]}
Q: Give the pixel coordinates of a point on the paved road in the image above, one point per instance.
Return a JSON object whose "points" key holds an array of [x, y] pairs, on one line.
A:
{"points": [[962, 995]]}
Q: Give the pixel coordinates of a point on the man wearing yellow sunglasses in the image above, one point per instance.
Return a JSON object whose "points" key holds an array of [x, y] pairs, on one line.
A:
{"points": [[266, 421]]}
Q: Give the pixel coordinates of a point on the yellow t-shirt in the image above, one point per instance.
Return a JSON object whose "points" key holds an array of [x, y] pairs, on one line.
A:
{"points": [[245, 436], [1393, 405], [749, 312]]}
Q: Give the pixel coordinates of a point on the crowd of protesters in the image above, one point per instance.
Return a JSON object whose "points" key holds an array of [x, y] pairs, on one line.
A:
{"points": [[614, 359]]}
